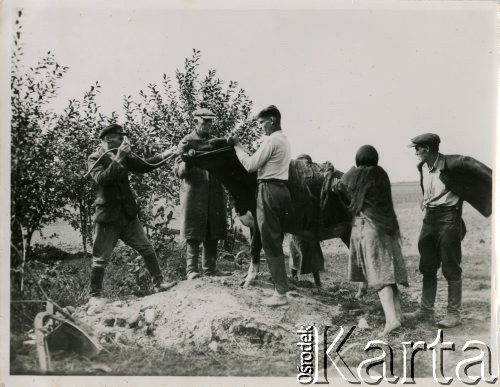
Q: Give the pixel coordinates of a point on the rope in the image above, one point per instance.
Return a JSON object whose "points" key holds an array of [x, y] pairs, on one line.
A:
{"points": [[135, 155], [220, 150], [199, 154]]}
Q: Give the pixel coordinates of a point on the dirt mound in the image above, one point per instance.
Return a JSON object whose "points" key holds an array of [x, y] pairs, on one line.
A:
{"points": [[206, 312]]}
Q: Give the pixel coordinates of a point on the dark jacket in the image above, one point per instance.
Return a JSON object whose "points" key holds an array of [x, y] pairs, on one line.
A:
{"points": [[470, 179], [113, 188], [203, 201]]}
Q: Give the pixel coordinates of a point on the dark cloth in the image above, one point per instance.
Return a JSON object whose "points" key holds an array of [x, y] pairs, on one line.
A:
{"points": [[440, 242], [306, 256], [316, 208], [369, 190], [334, 216], [203, 201], [274, 208], [106, 236], [304, 208], [114, 193], [470, 179]]}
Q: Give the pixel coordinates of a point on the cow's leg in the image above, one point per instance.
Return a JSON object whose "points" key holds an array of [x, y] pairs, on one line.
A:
{"points": [[362, 290], [346, 236], [317, 280], [255, 245], [255, 249]]}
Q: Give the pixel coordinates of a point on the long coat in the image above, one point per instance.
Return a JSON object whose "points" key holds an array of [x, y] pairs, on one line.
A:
{"points": [[203, 201], [470, 179], [114, 193]]}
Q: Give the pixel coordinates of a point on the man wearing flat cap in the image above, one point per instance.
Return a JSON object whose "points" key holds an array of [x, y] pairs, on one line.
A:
{"points": [[446, 181], [116, 209], [203, 205], [274, 203]]}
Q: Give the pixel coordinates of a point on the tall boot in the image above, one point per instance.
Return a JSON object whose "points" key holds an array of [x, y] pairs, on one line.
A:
{"points": [[192, 253], [452, 318], [156, 275], [209, 257], [153, 267], [96, 281], [426, 308]]}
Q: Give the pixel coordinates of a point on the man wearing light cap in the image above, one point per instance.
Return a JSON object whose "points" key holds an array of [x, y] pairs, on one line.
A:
{"points": [[203, 205], [116, 209], [446, 181], [274, 203]]}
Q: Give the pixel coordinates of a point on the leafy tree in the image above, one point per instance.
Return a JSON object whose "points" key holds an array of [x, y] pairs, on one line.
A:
{"points": [[163, 115], [36, 197]]}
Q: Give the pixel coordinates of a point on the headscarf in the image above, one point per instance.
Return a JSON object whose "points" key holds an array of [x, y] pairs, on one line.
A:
{"points": [[370, 191], [304, 157]]}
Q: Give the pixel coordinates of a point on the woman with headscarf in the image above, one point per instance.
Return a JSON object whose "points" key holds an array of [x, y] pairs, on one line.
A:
{"points": [[375, 249]]}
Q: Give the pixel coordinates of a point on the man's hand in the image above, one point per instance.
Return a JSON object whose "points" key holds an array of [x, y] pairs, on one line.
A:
{"points": [[233, 141], [181, 148], [165, 154], [169, 152], [334, 185], [123, 151], [328, 166]]}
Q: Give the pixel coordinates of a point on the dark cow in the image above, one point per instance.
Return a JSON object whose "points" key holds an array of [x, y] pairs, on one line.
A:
{"points": [[319, 212]]}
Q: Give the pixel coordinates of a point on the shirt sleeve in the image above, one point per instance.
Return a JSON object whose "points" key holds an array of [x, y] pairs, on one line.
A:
{"points": [[135, 164], [258, 159]]}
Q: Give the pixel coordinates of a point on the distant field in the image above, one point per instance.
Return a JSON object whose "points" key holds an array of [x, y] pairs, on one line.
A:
{"points": [[406, 198]]}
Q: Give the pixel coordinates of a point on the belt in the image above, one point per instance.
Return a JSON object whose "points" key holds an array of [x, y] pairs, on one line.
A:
{"points": [[442, 209], [272, 181]]}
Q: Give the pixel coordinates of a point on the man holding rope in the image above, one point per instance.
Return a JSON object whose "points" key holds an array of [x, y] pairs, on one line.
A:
{"points": [[116, 208]]}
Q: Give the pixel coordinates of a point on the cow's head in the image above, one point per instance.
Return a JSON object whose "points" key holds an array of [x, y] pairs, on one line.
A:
{"points": [[219, 158]]}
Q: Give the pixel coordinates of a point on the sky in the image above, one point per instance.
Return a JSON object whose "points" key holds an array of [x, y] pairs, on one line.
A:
{"points": [[342, 77]]}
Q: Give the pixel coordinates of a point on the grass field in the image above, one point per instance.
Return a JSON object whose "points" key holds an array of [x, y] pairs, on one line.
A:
{"points": [[281, 360]]}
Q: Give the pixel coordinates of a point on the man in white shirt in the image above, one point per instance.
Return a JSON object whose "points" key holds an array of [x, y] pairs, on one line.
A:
{"points": [[446, 181], [274, 204]]}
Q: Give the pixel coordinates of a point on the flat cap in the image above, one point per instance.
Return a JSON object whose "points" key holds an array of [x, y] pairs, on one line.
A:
{"points": [[203, 112], [425, 139], [113, 128]]}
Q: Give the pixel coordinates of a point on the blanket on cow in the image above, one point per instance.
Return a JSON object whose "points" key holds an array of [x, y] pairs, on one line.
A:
{"points": [[318, 211], [317, 207]]}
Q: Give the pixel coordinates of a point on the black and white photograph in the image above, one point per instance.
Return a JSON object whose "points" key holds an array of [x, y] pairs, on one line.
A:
{"points": [[249, 193]]}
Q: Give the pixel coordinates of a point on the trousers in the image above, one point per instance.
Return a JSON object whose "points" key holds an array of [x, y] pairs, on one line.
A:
{"points": [[274, 209]]}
